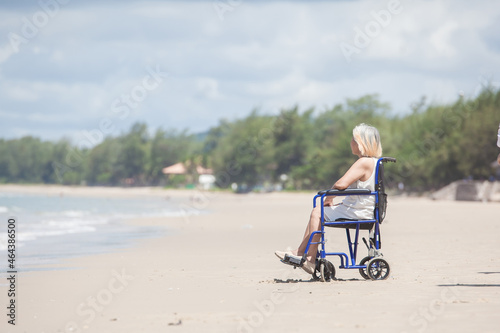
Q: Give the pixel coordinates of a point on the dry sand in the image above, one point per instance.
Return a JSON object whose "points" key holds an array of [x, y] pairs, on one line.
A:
{"points": [[218, 273]]}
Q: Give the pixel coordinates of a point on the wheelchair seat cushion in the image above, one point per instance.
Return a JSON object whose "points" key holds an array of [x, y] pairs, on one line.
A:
{"points": [[362, 226]]}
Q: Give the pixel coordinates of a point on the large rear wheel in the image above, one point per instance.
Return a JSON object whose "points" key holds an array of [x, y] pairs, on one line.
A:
{"points": [[362, 271]]}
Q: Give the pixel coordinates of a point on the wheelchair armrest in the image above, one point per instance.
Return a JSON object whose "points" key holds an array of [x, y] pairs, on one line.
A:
{"points": [[347, 191]]}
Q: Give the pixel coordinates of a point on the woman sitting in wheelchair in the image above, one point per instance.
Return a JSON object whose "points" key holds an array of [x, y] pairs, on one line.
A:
{"points": [[366, 145]]}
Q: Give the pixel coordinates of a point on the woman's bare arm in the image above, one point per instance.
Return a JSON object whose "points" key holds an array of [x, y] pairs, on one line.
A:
{"points": [[359, 170]]}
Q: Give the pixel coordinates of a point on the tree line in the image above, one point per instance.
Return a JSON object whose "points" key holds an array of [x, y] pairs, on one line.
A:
{"points": [[309, 149]]}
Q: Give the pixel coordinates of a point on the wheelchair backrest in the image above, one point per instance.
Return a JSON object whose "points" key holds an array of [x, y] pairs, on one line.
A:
{"points": [[381, 205]]}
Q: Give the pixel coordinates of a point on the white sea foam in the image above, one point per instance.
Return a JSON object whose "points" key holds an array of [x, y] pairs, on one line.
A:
{"points": [[31, 232], [75, 213]]}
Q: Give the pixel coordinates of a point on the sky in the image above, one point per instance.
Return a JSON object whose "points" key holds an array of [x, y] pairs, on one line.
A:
{"points": [[82, 70]]}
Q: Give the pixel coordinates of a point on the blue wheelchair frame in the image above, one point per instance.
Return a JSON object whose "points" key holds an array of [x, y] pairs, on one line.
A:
{"points": [[376, 267]]}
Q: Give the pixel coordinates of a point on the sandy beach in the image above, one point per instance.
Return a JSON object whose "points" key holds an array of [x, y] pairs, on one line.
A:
{"points": [[217, 272]]}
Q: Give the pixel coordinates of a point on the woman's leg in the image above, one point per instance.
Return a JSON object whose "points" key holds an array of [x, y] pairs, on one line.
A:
{"points": [[313, 225]]}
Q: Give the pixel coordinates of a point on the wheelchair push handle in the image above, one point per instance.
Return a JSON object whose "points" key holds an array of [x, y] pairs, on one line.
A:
{"points": [[388, 159]]}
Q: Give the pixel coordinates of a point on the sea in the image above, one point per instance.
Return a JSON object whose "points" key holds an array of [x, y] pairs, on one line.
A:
{"points": [[49, 228]]}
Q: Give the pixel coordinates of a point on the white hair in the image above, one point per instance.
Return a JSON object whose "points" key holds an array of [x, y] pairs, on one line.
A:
{"points": [[368, 139]]}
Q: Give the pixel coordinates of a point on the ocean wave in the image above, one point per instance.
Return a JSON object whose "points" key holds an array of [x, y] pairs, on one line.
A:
{"points": [[12, 195], [35, 232], [68, 223], [75, 213], [42, 216]]}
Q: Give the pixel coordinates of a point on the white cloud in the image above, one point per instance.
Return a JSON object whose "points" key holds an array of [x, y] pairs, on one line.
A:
{"points": [[441, 40], [208, 88], [17, 92], [5, 53]]}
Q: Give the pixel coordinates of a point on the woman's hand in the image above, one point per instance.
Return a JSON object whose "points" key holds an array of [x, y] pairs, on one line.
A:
{"points": [[328, 201], [498, 159]]}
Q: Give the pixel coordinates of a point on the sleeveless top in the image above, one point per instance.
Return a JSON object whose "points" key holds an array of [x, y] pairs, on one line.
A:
{"points": [[362, 206], [498, 141]]}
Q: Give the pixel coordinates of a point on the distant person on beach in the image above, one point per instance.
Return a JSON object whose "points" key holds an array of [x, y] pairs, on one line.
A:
{"points": [[366, 145]]}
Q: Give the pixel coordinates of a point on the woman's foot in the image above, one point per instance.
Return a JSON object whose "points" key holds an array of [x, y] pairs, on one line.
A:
{"points": [[309, 266], [281, 254]]}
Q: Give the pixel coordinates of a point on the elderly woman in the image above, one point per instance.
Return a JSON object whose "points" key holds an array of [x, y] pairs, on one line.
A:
{"points": [[498, 144], [366, 145]]}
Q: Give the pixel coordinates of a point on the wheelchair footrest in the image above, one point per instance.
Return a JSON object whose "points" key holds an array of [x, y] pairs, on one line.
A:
{"points": [[295, 261]]}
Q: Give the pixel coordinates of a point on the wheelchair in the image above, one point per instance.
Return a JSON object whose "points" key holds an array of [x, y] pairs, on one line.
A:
{"points": [[371, 267]]}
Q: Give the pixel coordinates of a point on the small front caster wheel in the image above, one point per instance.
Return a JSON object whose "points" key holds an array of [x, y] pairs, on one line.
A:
{"points": [[378, 269], [327, 271], [316, 274]]}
